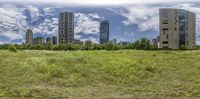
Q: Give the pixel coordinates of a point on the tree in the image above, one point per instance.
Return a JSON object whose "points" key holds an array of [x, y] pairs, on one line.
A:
{"points": [[142, 44], [111, 46], [48, 46], [12, 48]]}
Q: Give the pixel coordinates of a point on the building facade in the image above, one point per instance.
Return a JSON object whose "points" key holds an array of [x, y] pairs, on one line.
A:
{"points": [[177, 29], [29, 36], [54, 40], [38, 41], [78, 42], [48, 40], [66, 27], [104, 31]]}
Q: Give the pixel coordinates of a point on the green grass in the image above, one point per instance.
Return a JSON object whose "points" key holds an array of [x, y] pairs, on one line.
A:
{"points": [[99, 73]]}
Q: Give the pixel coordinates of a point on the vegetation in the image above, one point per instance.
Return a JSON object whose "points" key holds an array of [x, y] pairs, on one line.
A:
{"points": [[143, 44], [99, 73], [12, 48]]}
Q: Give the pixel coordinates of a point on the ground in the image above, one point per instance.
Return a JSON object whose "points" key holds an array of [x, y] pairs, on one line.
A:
{"points": [[107, 74]]}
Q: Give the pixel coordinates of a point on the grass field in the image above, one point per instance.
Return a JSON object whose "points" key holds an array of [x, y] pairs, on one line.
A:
{"points": [[100, 74]]}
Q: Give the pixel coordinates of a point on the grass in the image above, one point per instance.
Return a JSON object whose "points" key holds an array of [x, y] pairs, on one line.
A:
{"points": [[99, 73]]}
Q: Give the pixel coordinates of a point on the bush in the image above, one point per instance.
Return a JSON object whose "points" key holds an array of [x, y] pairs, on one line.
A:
{"points": [[183, 47], [110, 46], [12, 48], [142, 44]]}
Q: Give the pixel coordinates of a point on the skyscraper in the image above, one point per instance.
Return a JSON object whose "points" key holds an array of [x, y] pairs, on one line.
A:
{"points": [[177, 28], [38, 40], [54, 40], [29, 36], [66, 27], [104, 31]]}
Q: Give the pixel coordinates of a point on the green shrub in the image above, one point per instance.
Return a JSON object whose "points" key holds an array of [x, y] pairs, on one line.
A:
{"points": [[110, 46], [12, 48]]}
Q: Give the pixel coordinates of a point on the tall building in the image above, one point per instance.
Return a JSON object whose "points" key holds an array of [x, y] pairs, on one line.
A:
{"points": [[29, 36], [38, 40], [104, 31], [48, 40], [177, 28], [66, 27], [54, 40], [114, 41]]}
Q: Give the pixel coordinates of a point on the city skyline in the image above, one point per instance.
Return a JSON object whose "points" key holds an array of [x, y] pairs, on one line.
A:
{"points": [[127, 23]]}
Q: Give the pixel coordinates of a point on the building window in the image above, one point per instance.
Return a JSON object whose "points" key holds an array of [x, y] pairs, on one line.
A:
{"points": [[165, 42], [165, 30], [167, 36], [165, 22]]}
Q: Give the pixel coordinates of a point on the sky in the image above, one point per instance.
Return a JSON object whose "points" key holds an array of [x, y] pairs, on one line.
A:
{"points": [[129, 20]]}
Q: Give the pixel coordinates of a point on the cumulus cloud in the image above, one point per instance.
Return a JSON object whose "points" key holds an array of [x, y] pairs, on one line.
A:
{"points": [[87, 23], [12, 36], [100, 2], [16, 20], [12, 23], [147, 17], [129, 33]]}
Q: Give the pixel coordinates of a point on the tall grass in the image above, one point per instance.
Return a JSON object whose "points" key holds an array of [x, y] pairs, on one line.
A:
{"points": [[97, 73]]}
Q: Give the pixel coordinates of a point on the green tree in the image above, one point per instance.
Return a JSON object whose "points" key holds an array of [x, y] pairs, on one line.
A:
{"points": [[12, 48]]}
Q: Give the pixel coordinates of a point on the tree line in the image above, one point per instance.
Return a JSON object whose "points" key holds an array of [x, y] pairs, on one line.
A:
{"points": [[142, 44]]}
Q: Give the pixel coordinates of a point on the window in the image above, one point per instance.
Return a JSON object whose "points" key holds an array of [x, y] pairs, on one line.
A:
{"points": [[165, 30], [165, 22], [165, 42], [167, 36]]}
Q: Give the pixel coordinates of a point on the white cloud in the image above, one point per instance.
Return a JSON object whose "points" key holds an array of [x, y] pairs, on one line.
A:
{"points": [[13, 23], [34, 12], [48, 27], [85, 23], [129, 33], [95, 40], [100, 2], [12, 36], [147, 17]]}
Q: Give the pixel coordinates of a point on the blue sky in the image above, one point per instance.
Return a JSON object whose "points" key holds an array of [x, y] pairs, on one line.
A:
{"points": [[129, 20]]}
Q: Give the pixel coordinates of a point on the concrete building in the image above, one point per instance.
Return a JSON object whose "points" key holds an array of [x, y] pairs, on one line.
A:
{"points": [[66, 27], [177, 28], [78, 42], [29, 36], [104, 32], [38, 40], [88, 42], [48, 40], [155, 41], [114, 41], [125, 43], [54, 40]]}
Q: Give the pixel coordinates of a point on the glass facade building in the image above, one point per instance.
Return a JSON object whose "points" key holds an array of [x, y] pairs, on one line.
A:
{"points": [[104, 31]]}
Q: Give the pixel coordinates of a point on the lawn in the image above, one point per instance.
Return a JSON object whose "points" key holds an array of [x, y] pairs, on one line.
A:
{"points": [[100, 73]]}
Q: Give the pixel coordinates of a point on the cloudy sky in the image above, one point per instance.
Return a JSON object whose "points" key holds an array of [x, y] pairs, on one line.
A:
{"points": [[129, 20]]}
